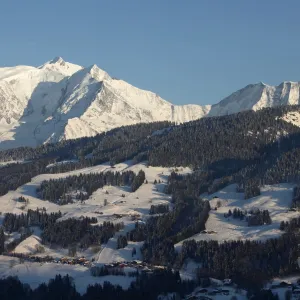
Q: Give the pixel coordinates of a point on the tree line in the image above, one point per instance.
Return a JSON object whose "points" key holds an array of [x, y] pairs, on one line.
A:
{"points": [[146, 286], [254, 217], [72, 232], [248, 263], [81, 187], [292, 225], [39, 217]]}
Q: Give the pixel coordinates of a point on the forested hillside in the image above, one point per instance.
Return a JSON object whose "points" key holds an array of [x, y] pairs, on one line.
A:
{"points": [[243, 145], [249, 149]]}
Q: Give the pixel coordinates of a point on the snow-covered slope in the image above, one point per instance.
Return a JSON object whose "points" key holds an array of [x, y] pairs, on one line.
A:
{"points": [[258, 96], [60, 100], [275, 198]]}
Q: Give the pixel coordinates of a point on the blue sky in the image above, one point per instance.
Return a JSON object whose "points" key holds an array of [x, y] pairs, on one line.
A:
{"points": [[187, 51]]}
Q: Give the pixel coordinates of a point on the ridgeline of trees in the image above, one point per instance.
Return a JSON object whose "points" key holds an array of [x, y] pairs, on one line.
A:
{"points": [[116, 145]]}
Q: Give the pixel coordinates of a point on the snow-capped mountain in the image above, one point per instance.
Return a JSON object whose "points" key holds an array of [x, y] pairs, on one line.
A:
{"points": [[60, 100], [258, 96]]}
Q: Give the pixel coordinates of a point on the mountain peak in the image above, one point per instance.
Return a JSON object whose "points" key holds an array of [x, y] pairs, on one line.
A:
{"points": [[57, 60], [97, 73], [58, 65], [93, 68]]}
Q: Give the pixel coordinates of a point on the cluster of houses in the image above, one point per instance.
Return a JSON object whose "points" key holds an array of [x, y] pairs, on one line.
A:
{"points": [[216, 287], [136, 264], [73, 261], [49, 259], [139, 265]]}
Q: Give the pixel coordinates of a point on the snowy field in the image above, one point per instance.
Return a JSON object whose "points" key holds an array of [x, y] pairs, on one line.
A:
{"points": [[137, 202], [274, 198]]}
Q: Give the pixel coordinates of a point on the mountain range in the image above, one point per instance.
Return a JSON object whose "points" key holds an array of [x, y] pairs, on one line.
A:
{"points": [[60, 100]]}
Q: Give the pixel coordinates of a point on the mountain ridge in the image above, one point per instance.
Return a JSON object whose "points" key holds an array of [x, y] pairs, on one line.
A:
{"points": [[60, 100]]}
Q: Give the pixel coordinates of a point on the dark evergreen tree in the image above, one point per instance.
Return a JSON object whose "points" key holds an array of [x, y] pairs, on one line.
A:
{"points": [[138, 180], [159, 209], [121, 241]]}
